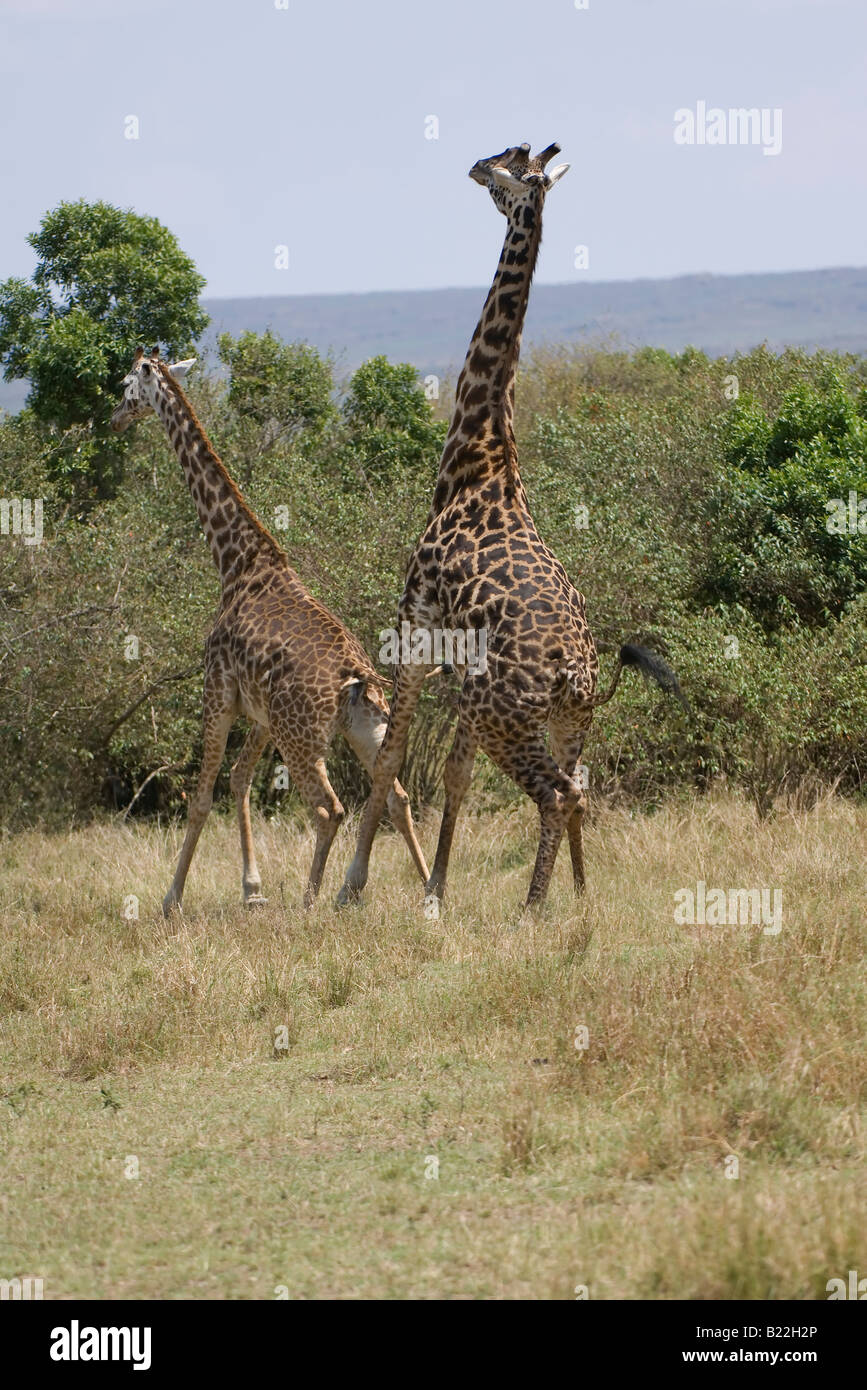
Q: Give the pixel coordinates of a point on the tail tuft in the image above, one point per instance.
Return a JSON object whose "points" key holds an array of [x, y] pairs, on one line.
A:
{"points": [[654, 668]]}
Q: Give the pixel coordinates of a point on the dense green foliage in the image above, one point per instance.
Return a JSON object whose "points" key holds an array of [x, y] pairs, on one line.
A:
{"points": [[105, 281], [692, 521], [788, 539], [391, 431]]}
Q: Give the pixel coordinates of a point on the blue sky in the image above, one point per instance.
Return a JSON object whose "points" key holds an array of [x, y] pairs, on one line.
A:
{"points": [[304, 126]]}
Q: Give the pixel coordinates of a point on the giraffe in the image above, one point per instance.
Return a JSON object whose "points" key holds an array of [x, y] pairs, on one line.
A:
{"points": [[481, 566], [275, 654]]}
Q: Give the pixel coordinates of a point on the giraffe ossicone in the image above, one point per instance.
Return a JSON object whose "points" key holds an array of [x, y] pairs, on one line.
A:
{"points": [[481, 565]]}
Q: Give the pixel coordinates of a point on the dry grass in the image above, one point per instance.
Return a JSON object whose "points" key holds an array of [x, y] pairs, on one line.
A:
{"points": [[283, 1082]]}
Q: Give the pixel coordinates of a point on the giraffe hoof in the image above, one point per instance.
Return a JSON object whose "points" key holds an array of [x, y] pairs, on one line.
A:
{"points": [[348, 897], [172, 908], [255, 900], [432, 907]]}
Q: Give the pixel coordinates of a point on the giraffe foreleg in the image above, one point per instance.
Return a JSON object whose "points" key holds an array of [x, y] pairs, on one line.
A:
{"points": [[364, 727], [217, 723], [408, 681], [240, 780]]}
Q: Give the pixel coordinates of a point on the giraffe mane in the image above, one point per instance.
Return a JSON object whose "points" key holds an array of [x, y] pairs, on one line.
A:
{"points": [[509, 366], [181, 395]]}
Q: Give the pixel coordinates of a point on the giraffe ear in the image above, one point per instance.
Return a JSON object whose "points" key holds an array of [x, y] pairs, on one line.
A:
{"points": [[180, 369], [557, 173]]}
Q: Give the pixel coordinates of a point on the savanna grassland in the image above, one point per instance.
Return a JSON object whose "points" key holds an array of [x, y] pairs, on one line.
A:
{"points": [[364, 1104], [368, 1104]]}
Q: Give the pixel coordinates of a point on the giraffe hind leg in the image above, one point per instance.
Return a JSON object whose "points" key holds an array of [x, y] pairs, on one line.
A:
{"points": [[306, 767], [557, 796], [457, 776], [240, 781], [566, 746]]}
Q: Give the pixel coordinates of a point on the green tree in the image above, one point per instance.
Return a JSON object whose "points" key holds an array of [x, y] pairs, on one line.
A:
{"points": [[105, 280], [389, 421], [276, 389]]}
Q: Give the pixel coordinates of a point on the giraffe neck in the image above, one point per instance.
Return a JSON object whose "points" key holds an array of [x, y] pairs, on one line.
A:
{"points": [[233, 531], [480, 444]]}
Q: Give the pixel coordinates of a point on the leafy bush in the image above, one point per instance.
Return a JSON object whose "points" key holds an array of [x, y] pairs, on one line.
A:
{"points": [[670, 505], [390, 428], [276, 390], [788, 545]]}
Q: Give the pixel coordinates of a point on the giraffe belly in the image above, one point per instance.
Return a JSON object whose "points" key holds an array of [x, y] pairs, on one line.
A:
{"points": [[254, 700]]}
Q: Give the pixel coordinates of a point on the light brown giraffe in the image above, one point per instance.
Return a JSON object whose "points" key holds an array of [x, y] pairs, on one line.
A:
{"points": [[481, 567], [275, 654]]}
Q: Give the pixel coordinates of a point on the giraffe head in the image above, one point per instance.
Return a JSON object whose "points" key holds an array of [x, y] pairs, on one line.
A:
{"points": [[515, 178], [141, 384]]}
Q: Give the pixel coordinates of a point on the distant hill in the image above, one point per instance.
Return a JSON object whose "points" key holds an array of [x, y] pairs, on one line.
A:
{"points": [[721, 314]]}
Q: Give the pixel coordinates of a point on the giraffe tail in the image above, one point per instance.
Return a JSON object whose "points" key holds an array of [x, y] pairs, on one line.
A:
{"points": [[651, 666]]}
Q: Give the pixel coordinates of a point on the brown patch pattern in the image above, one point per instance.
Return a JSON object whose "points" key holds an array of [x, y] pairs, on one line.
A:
{"points": [[275, 654]]}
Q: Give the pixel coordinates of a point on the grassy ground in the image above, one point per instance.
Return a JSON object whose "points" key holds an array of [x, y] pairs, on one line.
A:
{"points": [[431, 1129]]}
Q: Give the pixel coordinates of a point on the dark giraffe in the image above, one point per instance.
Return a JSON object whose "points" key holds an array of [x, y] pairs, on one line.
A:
{"points": [[275, 654], [481, 565]]}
